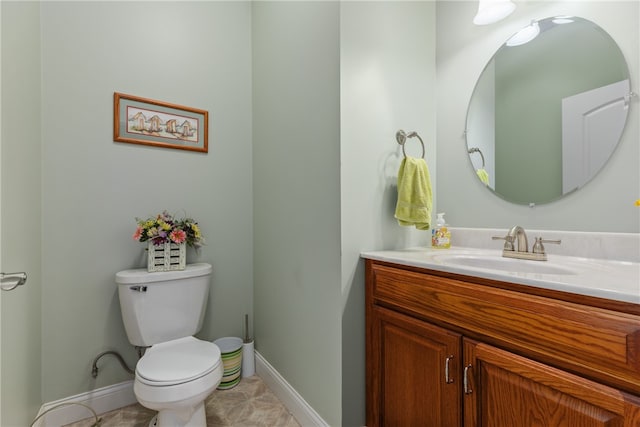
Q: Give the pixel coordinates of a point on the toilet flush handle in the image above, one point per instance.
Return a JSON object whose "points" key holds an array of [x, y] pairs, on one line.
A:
{"points": [[138, 288]]}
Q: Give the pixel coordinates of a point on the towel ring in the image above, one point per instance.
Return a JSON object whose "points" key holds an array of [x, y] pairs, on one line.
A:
{"points": [[401, 137], [476, 150]]}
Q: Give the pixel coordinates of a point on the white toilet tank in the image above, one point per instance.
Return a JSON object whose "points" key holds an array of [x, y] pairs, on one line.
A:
{"points": [[163, 306]]}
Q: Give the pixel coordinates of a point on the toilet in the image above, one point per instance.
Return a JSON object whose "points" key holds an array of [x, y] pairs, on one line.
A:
{"points": [[162, 311]]}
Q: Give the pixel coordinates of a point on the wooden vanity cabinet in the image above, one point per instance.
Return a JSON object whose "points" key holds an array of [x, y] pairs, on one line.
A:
{"points": [[509, 390], [446, 350], [418, 372]]}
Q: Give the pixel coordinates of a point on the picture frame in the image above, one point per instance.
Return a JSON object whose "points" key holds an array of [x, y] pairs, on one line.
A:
{"points": [[145, 121]]}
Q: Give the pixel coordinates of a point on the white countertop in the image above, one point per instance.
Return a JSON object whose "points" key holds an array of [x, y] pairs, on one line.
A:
{"points": [[615, 280]]}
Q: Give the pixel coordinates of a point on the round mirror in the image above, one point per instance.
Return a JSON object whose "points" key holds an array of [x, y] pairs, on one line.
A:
{"points": [[548, 110]]}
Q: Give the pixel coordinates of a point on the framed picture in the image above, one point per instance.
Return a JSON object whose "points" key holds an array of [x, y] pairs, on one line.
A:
{"points": [[148, 122]]}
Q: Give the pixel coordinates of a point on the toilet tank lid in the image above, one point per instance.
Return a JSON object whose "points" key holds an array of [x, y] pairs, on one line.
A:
{"points": [[141, 275]]}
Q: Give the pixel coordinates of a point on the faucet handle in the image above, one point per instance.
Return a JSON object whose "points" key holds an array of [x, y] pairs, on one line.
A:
{"points": [[538, 247], [508, 241]]}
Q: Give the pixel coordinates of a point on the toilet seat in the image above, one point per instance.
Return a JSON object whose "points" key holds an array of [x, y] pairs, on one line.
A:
{"points": [[177, 362]]}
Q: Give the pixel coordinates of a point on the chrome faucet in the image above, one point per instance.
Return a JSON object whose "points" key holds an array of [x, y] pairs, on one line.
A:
{"points": [[517, 233], [516, 245]]}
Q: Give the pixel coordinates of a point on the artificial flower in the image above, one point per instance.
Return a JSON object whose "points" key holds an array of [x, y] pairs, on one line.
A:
{"points": [[178, 236], [164, 228]]}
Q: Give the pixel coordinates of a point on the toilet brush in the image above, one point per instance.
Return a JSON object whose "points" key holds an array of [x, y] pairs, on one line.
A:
{"points": [[248, 354], [246, 328]]}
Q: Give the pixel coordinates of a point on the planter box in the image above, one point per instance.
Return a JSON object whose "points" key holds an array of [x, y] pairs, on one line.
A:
{"points": [[166, 257]]}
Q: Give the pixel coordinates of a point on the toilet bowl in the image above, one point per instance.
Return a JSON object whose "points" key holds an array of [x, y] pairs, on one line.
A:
{"points": [[174, 378], [161, 312]]}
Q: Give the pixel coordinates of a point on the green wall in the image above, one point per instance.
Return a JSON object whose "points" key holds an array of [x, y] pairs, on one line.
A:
{"points": [[20, 321], [189, 53], [296, 195]]}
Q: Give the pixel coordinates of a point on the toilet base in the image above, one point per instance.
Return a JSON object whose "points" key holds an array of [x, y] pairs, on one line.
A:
{"points": [[186, 417]]}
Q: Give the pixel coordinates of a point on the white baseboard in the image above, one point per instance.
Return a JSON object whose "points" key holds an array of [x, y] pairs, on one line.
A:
{"points": [[101, 400], [301, 410]]}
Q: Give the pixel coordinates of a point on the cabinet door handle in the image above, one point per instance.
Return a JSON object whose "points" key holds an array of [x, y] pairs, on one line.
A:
{"points": [[447, 376], [467, 387]]}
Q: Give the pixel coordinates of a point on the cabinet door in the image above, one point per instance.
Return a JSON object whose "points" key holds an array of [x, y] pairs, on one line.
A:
{"points": [[506, 390], [413, 376]]}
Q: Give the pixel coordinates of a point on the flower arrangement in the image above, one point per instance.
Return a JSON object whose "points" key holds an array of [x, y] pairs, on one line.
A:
{"points": [[164, 228]]}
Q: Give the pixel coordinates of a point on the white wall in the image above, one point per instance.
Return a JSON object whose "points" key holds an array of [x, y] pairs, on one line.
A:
{"points": [[190, 53], [296, 148], [604, 204], [21, 209], [387, 82]]}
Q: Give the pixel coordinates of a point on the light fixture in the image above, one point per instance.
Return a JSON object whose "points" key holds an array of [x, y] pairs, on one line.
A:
{"points": [[525, 35], [490, 11]]}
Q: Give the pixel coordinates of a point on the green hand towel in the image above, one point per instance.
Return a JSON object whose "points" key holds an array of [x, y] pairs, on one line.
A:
{"points": [[414, 194], [483, 175]]}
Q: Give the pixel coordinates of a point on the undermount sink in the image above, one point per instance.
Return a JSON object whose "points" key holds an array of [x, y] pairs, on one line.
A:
{"points": [[503, 264]]}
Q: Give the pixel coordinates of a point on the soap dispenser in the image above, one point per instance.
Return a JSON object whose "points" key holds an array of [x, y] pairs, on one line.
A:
{"points": [[440, 234]]}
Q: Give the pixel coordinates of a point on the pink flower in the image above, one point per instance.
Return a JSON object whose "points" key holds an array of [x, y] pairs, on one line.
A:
{"points": [[137, 234], [178, 236]]}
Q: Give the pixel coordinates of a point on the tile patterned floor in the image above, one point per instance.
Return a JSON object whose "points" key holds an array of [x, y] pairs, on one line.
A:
{"points": [[249, 404]]}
